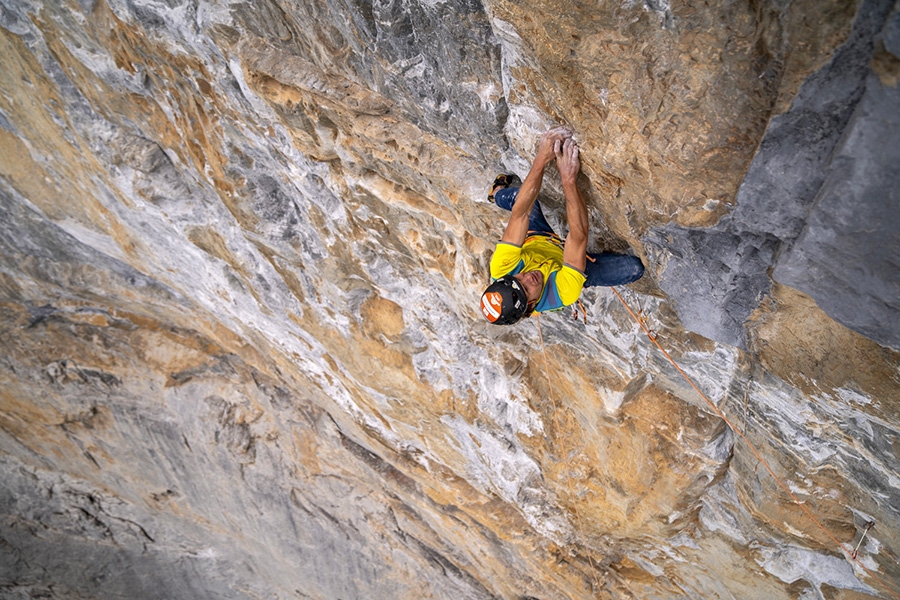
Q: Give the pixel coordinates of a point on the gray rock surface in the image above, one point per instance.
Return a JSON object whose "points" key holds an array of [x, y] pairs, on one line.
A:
{"points": [[717, 276], [241, 247], [848, 254]]}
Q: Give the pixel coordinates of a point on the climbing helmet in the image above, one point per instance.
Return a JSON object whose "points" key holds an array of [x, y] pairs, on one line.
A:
{"points": [[504, 302]]}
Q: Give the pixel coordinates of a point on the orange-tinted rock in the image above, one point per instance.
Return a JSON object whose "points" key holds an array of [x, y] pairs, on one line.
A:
{"points": [[240, 254]]}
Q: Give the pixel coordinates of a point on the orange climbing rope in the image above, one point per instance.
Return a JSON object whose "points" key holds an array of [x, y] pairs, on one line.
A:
{"points": [[653, 338]]}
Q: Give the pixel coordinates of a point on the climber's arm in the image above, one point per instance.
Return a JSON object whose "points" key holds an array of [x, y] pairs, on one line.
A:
{"points": [[576, 210], [517, 228]]}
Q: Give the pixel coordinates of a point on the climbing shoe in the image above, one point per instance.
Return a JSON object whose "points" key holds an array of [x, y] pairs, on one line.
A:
{"points": [[502, 181]]}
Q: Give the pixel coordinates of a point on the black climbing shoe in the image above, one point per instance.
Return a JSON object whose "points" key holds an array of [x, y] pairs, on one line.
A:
{"points": [[502, 181]]}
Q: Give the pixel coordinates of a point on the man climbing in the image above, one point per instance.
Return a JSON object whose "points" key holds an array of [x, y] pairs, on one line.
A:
{"points": [[533, 270]]}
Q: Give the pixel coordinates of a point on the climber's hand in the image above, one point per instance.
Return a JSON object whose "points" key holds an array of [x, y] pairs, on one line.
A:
{"points": [[547, 148], [567, 160]]}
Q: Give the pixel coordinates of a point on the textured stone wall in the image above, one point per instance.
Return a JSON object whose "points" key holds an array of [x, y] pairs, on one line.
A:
{"points": [[819, 201], [241, 246]]}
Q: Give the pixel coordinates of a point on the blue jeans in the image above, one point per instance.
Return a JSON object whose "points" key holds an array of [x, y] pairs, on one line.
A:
{"points": [[506, 197], [604, 268]]}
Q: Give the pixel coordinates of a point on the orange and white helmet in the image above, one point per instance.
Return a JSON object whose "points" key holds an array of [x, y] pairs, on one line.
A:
{"points": [[504, 302]]}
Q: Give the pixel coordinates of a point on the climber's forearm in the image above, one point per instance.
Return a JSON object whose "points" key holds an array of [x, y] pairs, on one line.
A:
{"points": [[577, 215], [517, 228], [549, 147]]}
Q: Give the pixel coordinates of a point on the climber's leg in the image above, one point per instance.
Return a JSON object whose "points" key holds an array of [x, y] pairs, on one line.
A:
{"points": [[609, 268], [506, 197]]}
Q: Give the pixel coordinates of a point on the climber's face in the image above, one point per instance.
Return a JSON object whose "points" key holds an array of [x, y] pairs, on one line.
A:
{"points": [[533, 282]]}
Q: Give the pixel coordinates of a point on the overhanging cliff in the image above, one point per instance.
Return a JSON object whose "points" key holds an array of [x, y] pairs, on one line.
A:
{"points": [[241, 249]]}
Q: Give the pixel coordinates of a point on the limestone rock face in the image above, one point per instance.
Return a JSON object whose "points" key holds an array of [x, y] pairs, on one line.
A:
{"points": [[241, 250], [818, 204]]}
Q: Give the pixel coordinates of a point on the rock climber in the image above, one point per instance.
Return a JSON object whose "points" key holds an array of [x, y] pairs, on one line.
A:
{"points": [[532, 269]]}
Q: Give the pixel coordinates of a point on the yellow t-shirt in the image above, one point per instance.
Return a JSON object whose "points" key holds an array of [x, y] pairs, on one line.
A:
{"points": [[562, 282]]}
